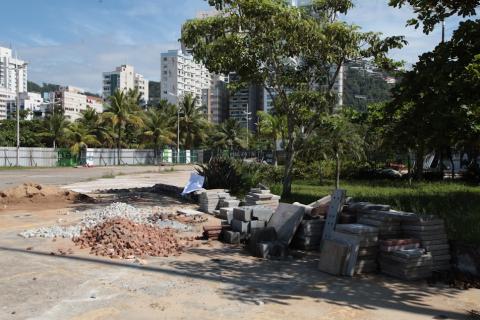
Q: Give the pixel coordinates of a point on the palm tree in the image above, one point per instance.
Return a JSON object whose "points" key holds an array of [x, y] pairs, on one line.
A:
{"points": [[56, 124], [158, 130], [79, 138], [273, 128], [122, 110], [97, 125], [230, 135], [193, 124]]}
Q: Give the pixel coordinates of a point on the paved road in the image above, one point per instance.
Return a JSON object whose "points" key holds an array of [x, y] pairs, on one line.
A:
{"points": [[68, 176]]}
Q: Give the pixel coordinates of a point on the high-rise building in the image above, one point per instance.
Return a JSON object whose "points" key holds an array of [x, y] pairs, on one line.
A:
{"points": [[7, 98], [182, 75], [245, 103], [215, 99], [8, 76], [124, 78]]}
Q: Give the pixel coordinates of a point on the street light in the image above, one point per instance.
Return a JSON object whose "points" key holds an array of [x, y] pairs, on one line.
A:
{"points": [[248, 114], [17, 75], [178, 125]]}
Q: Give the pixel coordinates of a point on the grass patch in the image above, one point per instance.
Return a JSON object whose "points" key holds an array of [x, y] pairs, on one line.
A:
{"points": [[457, 203]]}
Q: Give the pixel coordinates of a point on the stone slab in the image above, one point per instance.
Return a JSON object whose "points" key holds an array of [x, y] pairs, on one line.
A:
{"points": [[257, 224], [242, 213], [262, 213], [354, 242], [240, 226], [333, 213], [286, 220], [231, 237], [226, 214], [356, 228], [333, 256]]}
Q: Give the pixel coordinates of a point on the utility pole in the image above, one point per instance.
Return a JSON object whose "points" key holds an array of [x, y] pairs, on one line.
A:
{"points": [[443, 30], [178, 134], [17, 75]]}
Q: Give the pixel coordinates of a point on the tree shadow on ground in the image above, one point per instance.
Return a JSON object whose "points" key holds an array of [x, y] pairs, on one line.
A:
{"points": [[251, 281]]}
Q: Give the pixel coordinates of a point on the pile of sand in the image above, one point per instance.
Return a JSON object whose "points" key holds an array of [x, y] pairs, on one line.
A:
{"points": [[37, 193]]}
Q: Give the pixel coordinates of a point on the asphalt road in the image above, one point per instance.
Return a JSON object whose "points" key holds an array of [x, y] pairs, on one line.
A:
{"points": [[66, 176]]}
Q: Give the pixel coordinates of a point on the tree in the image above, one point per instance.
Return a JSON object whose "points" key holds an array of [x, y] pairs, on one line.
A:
{"points": [[272, 127], [123, 110], [193, 123], [97, 125], [79, 138], [432, 12], [440, 94], [340, 139], [56, 124], [158, 129], [230, 135], [295, 54]]}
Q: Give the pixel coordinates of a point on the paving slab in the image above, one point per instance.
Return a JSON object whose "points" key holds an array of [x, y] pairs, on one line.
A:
{"points": [[333, 256], [286, 220]]}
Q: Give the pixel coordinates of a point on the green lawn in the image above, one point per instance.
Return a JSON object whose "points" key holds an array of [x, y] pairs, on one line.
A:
{"points": [[457, 203]]}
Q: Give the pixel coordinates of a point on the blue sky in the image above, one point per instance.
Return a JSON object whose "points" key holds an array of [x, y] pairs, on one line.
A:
{"points": [[71, 42]]}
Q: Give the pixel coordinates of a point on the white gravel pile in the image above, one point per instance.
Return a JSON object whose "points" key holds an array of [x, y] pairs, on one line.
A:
{"points": [[94, 217]]}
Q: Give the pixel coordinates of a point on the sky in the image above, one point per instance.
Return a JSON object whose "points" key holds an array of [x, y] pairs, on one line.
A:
{"points": [[71, 42]]}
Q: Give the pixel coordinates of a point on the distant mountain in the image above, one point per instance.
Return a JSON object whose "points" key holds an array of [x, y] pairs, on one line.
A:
{"points": [[46, 87], [364, 85]]}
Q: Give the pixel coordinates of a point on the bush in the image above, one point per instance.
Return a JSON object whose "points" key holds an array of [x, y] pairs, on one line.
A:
{"points": [[237, 176]]}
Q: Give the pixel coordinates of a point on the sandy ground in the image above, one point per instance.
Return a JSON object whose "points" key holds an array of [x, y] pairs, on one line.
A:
{"points": [[209, 282], [64, 176]]}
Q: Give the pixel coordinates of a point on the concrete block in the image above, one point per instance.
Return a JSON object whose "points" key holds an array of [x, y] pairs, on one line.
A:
{"points": [[333, 256], [231, 237], [226, 214], [286, 220], [272, 249], [262, 213], [242, 213], [257, 224], [240, 226], [260, 235]]}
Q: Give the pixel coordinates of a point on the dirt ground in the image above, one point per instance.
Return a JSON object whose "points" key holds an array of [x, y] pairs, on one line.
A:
{"points": [[213, 281]]}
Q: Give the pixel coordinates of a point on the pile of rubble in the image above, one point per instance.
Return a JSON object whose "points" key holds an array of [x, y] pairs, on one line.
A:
{"points": [[122, 238], [94, 217]]}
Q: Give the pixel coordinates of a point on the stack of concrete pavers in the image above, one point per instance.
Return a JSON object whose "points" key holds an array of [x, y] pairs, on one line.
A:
{"points": [[411, 264], [309, 235], [389, 223], [368, 245], [227, 201], [214, 232], [226, 214], [263, 197], [209, 200], [245, 220], [430, 230]]}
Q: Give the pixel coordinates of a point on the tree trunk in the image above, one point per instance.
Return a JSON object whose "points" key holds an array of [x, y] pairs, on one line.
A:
{"points": [[452, 163], [119, 140], [337, 170], [275, 157], [419, 159], [290, 155]]}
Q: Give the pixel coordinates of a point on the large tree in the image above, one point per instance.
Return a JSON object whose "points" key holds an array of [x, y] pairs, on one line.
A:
{"points": [[122, 110], [193, 123], [158, 129], [431, 12], [295, 54]]}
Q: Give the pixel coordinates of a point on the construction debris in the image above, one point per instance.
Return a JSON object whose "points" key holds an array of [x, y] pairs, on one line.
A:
{"points": [[94, 217], [411, 264], [431, 232], [263, 197], [122, 238], [309, 234]]}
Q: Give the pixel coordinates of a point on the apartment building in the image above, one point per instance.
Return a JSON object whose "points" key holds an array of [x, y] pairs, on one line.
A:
{"points": [[124, 78], [181, 75], [7, 98], [8, 76]]}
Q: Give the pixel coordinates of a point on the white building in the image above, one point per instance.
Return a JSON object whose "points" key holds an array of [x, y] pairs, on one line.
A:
{"points": [[181, 75], [8, 77], [95, 103], [124, 78], [7, 98], [31, 102]]}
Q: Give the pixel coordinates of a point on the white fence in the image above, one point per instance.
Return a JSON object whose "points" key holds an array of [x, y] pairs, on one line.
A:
{"points": [[28, 157], [109, 157]]}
